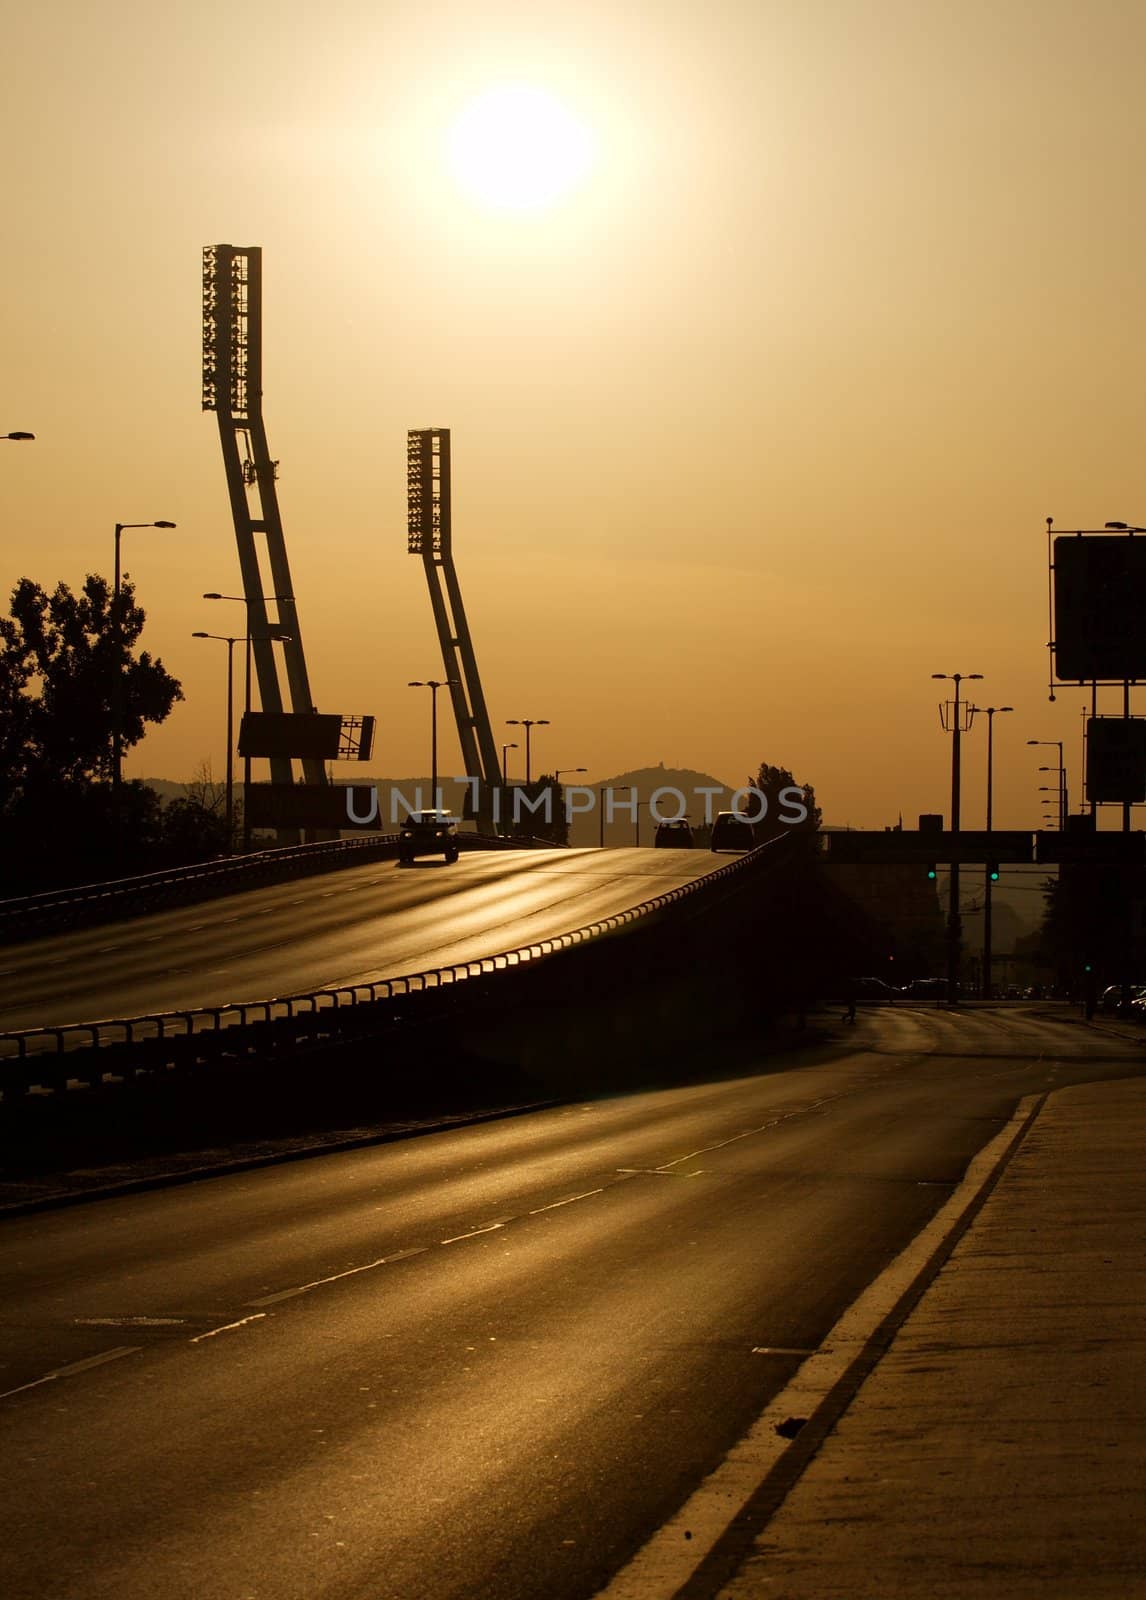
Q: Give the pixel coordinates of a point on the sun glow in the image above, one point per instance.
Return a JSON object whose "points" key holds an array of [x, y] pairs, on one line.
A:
{"points": [[518, 148]]}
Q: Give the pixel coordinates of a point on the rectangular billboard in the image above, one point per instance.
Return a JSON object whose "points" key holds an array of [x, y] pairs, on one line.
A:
{"points": [[1116, 760], [1099, 606]]}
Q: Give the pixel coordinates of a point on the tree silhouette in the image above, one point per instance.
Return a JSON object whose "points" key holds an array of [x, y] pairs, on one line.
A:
{"points": [[68, 670], [781, 815]]}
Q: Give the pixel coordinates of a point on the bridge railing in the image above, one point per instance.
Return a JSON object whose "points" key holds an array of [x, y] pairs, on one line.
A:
{"points": [[87, 905], [50, 1057]]}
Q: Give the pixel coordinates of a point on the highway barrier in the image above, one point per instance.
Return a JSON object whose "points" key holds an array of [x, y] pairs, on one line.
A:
{"points": [[88, 905], [51, 1058]]}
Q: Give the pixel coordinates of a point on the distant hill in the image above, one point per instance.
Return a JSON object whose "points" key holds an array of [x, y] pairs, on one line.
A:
{"points": [[166, 790], [681, 791]]}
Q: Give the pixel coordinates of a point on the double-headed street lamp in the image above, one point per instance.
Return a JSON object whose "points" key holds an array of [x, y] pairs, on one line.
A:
{"points": [[952, 715], [244, 600], [528, 723], [1056, 744], [988, 991], [433, 685]]}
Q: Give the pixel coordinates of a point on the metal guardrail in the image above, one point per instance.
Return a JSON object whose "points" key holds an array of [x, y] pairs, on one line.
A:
{"points": [[88, 904], [48, 1057]]}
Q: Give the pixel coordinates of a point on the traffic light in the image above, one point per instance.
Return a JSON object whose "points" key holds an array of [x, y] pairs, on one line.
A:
{"points": [[993, 871], [932, 872]]}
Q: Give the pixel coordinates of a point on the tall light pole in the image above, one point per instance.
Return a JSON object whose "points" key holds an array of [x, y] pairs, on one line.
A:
{"points": [[230, 640], [243, 600], [117, 688], [17, 438], [951, 715], [1056, 744], [117, 634], [504, 769], [433, 685], [988, 991], [528, 723], [560, 770]]}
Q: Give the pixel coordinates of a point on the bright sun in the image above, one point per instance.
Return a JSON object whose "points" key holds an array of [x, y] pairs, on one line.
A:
{"points": [[518, 148]]}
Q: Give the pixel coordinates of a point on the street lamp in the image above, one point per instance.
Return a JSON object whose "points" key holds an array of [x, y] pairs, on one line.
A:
{"points": [[117, 684], [17, 438], [433, 685], [1056, 744], [230, 640], [992, 713], [528, 723], [951, 715], [560, 770], [244, 600], [504, 770], [117, 634]]}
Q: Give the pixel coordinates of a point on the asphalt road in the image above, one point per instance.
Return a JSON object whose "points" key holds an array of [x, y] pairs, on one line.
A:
{"points": [[364, 923], [485, 1363]]}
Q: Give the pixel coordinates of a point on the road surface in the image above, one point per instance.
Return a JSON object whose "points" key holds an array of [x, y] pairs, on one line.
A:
{"points": [[368, 922], [484, 1364]]}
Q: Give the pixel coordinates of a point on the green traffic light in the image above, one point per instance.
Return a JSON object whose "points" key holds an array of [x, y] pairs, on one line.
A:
{"points": [[932, 873]]}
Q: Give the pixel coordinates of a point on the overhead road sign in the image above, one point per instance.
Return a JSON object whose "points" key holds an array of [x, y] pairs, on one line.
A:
{"points": [[314, 805], [856, 847], [1116, 760], [1091, 849], [1099, 602]]}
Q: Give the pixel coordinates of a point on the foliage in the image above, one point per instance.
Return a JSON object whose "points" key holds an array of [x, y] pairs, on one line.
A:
{"points": [[782, 809], [549, 820], [68, 671]]}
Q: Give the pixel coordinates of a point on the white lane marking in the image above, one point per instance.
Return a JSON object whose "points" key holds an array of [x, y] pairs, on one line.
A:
{"points": [[568, 1201], [196, 927], [666, 1562], [748, 1132], [76, 1366], [287, 1294], [226, 1328], [489, 1228], [105, 949]]}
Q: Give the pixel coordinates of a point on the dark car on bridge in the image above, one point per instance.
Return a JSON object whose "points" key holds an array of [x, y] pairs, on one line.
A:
{"points": [[731, 831], [673, 835], [428, 833]]}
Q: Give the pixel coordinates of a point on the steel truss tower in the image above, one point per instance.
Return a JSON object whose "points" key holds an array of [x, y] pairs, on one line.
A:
{"points": [[430, 536], [232, 389]]}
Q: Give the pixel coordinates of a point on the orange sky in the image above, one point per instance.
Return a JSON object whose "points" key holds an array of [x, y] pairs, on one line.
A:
{"points": [[751, 434]]}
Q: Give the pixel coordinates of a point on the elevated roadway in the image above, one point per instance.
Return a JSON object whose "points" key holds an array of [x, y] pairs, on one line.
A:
{"points": [[365, 923]]}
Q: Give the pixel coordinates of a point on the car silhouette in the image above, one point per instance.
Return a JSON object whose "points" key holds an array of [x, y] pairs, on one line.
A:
{"points": [[673, 835], [428, 833], [731, 831]]}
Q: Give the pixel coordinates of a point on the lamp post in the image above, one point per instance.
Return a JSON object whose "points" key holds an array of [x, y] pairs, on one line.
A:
{"points": [[117, 632], [243, 600], [17, 438], [1056, 744], [433, 685], [230, 640], [559, 770], [951, 714], [528, 723], [504, 769], [988, 991]]}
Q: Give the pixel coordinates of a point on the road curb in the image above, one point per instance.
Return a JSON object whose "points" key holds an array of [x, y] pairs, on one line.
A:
{"points": [[701, 1548]]}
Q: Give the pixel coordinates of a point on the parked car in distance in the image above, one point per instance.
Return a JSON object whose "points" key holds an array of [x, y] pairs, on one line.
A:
{"points": [[428, 833], [731, 831], [873, 991], [926, 989], [674, 835]]}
